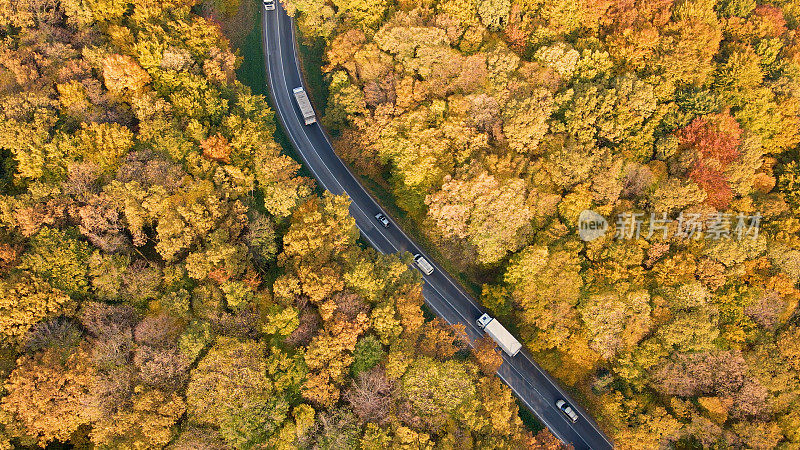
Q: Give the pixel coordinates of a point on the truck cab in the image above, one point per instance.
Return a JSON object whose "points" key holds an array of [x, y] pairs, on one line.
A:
{"points": [[484, 320], [499, 334]]}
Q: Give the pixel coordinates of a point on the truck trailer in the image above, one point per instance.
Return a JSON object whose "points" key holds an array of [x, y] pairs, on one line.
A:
{"points": [[305, 105], [499, 334]]}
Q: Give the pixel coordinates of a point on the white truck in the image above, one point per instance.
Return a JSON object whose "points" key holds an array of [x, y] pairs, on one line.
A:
{"points": [[423, 264], [499, 334], [305, 105]]}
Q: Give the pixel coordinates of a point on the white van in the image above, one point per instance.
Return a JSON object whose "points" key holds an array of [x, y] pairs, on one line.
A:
{"points": [[423, 264]]}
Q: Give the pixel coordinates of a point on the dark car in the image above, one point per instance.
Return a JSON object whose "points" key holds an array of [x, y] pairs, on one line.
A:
{"points": [[383, 220], [567, 410]]}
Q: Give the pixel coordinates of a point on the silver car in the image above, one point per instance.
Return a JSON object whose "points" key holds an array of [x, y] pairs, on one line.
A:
{"points": [[269, 5], [567, 410], [382, 219]]}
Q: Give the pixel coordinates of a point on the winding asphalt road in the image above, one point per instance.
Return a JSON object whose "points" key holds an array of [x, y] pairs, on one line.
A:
{"points": [[532, 385]]}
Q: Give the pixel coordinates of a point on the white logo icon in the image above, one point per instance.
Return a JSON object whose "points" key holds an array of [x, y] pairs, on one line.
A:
{"points": [[591, 225]]}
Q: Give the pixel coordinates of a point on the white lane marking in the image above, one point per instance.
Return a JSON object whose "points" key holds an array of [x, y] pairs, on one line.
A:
{"points": [[370, 240], [509, 361], [585, 416], [363, 232], [311, 146], [521, 397], [289, 130]]}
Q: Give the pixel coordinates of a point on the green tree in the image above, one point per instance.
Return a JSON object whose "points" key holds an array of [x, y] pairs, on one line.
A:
{"points": [[367, 354], [435, 389], [61, 259], [232, 388]]}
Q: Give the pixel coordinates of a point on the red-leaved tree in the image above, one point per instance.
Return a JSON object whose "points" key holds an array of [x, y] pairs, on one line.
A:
{"points": [[715, 141]]}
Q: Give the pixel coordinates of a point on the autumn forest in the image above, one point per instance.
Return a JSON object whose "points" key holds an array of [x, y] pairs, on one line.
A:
{"points": [[169, 279], [493, 124]]}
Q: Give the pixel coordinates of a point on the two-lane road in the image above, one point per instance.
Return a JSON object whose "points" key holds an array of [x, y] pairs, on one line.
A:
{"points": [[534, 387]]}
